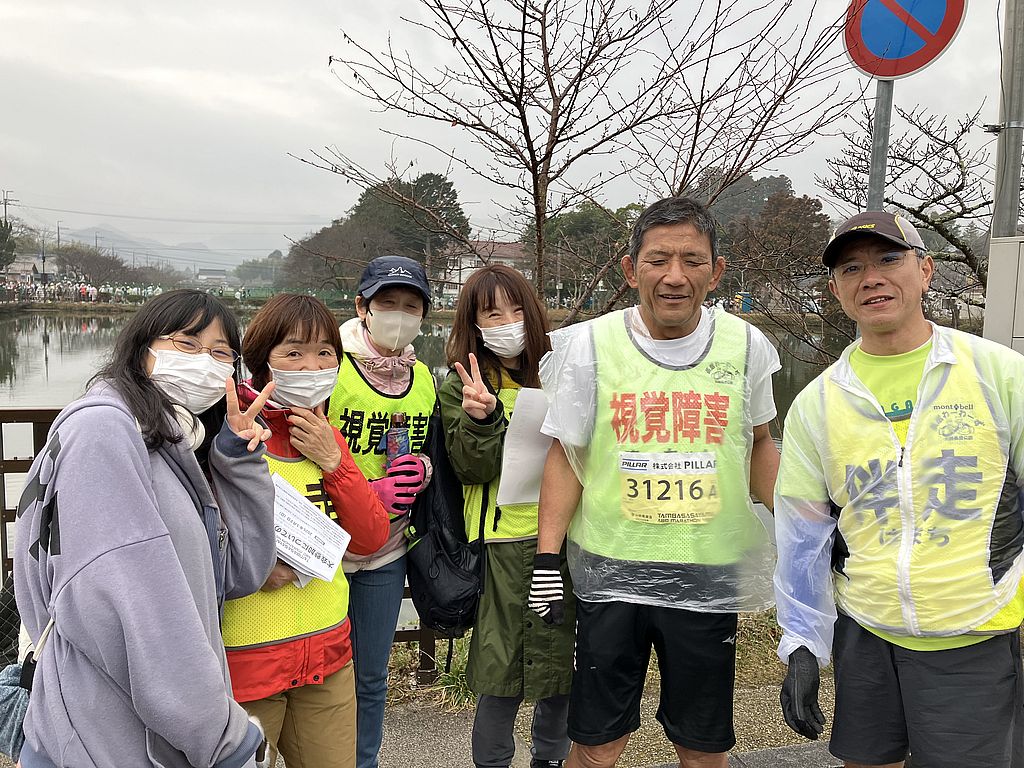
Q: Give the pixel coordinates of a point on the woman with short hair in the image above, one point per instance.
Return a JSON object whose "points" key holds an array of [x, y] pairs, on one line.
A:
{"points": [[288, 644], [378, 378]]}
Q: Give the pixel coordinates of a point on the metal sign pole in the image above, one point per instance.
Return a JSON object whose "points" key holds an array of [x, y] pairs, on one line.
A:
{"points": [[879, 143]]}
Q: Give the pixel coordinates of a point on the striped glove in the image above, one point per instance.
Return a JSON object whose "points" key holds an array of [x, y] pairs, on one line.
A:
{"points": [[547, 595]]}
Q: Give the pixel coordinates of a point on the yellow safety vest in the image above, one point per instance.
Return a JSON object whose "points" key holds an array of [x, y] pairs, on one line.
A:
{"points": [[288, 613], [930, 527], [666, 516], [698, 510], [510, 522], [363, 414]]}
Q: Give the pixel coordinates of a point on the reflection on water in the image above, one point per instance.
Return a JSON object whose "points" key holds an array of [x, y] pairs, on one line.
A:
{"points": [[46, 359], [802, 360]]}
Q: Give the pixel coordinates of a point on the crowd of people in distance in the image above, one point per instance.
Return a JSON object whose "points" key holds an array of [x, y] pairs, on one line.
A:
{"points": [[71, 291]]}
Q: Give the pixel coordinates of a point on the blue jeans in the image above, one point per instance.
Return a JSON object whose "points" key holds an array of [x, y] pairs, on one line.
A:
{"points": [[375, 598]]}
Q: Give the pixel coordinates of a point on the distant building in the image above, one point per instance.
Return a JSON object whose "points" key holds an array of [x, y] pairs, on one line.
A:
{"points": [[956, 292], [462, 263], [217, 276], [29, 269]]}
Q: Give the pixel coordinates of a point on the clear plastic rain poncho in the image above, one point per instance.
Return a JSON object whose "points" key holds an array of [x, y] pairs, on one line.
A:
{"points": [[921, 539], [663, 456]]}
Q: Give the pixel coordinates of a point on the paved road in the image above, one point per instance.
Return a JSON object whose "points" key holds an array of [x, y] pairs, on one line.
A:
{"points": [[423, 737]]}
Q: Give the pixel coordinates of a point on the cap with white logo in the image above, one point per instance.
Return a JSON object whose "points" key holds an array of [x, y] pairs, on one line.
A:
{"points": [[387, 271]]}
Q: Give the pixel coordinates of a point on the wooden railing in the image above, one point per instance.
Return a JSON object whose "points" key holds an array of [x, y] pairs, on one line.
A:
{"points": [[38, 420]]}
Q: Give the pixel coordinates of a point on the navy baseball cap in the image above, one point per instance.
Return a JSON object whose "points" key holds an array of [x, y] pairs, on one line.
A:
{"points": [[388, 271], [889, 226]]}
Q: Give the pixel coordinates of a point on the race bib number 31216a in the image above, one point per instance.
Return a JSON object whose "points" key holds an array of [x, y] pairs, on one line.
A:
{"points": [[669, 487]]}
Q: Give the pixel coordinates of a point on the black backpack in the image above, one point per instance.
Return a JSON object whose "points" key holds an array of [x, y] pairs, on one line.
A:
{"points": [[445, 571]]}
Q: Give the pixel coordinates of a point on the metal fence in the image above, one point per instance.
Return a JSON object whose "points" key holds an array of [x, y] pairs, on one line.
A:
{"points": [[36, 422]]}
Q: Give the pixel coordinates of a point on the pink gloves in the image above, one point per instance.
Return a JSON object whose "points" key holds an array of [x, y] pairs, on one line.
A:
{"points": [[406, 477], [411, 471]]}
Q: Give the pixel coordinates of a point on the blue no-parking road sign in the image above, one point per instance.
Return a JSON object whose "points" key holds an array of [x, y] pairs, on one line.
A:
{"points": [[888, 39]]}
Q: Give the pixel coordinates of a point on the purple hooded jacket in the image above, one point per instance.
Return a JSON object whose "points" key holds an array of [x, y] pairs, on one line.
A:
{"points": [[111, 542]]}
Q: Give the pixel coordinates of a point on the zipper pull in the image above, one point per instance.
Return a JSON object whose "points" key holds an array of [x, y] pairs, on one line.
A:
{"points": [[903, 450], [497, 517]]}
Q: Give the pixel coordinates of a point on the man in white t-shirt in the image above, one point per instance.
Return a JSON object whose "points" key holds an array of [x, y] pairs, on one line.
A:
{"points": [[660, 417]]}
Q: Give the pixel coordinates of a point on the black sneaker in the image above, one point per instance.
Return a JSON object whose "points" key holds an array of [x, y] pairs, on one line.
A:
{"points": [[535, 763]]}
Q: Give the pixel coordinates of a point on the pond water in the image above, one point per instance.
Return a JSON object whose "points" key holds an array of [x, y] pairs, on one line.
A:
{"points": [[46, 358]]}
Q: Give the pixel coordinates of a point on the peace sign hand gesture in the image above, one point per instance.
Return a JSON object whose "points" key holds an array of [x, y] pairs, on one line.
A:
{"points": [[477, 400], [243, 423]]}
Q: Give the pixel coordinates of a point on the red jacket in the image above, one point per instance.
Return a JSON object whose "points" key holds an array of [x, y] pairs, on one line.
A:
{"points": [[257, 673]]}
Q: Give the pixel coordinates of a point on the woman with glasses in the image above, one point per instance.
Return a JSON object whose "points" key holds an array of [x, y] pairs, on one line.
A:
{"points": [[288, 644], [149, 505]]}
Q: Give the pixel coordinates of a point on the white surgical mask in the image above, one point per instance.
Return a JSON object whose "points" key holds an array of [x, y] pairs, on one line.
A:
{"points": [[505, 341], [303, 389], [193, 381], [392, 330]]}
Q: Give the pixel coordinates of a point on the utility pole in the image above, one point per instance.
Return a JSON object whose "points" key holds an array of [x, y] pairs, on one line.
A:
{"points": [[7, 199], [58, 234], [1006, 211], [42, 253]]}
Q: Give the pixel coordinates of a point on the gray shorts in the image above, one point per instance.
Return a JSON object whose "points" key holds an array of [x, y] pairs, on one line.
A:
{"points": [[949, 709]]}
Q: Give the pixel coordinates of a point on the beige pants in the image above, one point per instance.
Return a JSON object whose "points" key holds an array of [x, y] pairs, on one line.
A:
{"points": [[313, 726]]}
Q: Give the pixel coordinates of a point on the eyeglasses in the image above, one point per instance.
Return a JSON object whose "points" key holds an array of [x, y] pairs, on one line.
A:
{"points": [[887, 262], [192, 347]]}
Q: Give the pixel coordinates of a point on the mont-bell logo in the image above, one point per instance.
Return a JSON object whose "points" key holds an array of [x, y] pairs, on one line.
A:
{"points": [[399, 272]]}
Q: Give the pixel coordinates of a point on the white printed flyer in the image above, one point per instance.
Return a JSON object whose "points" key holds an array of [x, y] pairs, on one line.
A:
{"points": [[307, 539]]}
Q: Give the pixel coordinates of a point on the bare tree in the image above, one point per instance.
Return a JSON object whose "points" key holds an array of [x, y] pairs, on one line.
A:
{"points": [[937, 175], [777, 255], [561, 97]]}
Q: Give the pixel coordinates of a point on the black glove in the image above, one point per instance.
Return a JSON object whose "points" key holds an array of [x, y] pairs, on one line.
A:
{"points": [[800, 694], [547, 594]]}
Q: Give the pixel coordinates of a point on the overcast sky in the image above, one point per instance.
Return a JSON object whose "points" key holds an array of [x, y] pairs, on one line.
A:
{"points": [[173, 121]]}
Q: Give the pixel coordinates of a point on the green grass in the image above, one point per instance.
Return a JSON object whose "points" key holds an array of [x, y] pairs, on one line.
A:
{"points": [[450, 691], [757, 637], [452, 688]]}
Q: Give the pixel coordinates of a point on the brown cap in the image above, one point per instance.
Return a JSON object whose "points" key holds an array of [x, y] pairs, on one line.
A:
{"points": [[890, 226]]}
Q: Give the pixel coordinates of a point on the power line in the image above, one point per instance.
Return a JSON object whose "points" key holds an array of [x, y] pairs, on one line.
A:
{"points": [[246, 222], [196, 249]]}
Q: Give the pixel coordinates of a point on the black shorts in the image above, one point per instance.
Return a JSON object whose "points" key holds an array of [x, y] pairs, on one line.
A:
{"points": [[950, 709], [697, 659]]}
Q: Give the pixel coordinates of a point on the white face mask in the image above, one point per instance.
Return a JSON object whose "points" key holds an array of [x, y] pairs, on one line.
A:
{"points": [[392, 330], [303, 389], [193, 381], [505, 341]]}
